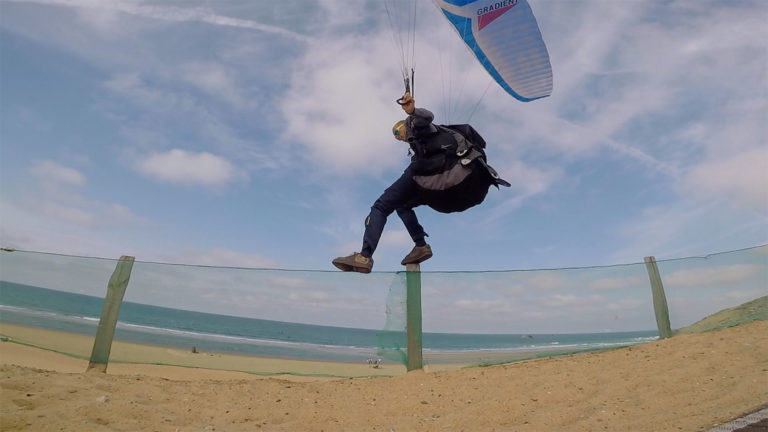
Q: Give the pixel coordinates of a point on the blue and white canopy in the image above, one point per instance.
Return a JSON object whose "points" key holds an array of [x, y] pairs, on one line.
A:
{"points": [[505, 38]]}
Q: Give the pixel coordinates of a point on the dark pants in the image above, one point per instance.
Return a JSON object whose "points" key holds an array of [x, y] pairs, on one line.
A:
{"points": [[402, 196]]}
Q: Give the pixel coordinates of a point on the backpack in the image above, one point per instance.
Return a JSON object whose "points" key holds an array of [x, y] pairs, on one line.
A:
{"points": [[467, 132], [452, 173]]}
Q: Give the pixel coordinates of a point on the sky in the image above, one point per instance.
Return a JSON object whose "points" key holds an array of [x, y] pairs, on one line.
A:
{"points": [[257, 134]]}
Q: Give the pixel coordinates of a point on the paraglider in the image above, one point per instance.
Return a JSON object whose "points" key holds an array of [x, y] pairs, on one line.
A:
{"points": [[448, 170], [504, 37]]}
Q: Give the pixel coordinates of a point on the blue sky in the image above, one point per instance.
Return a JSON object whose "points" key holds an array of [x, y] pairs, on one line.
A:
{"points": [[257, 134]]}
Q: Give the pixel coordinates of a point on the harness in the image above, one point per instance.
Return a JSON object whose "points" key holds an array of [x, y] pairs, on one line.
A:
{"points": [[451, 170]]}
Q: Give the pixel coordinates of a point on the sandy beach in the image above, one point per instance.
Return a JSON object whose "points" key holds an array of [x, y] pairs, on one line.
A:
{"points": [[686, 383], [123, 354], [127, 357]]}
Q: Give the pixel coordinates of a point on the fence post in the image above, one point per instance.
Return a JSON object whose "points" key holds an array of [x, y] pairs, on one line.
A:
{"points": [[659, 298], [102, 343], [413, 312]]}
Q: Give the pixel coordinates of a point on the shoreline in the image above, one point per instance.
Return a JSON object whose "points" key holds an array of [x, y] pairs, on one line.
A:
{"points": [[79, 346], [132, 356]]}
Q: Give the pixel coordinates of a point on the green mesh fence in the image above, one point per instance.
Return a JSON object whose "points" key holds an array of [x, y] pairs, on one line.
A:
{"points": [[392, 341], [716, 291], [329, 323]]}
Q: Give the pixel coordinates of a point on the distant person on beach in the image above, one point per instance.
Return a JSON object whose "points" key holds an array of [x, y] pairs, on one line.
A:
{"points": [[447, 172]]}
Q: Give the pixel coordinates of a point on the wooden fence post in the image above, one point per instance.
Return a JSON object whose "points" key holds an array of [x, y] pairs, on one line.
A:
{"points": [[413, 312], [659, 298], [102, 343]]}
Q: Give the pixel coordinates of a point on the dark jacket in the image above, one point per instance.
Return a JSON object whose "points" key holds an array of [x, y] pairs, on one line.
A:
{"points": [[419, 123], [432, 147], [448, 163]]}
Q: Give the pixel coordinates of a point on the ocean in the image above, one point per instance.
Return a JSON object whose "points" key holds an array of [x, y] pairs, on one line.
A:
{"points": [[153, 325]]}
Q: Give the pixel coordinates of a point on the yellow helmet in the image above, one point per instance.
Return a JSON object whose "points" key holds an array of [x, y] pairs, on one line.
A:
{"points": [[399, 129]]}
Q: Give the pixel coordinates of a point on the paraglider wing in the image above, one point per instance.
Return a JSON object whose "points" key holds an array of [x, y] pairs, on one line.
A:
{"points": [[505, 38]]}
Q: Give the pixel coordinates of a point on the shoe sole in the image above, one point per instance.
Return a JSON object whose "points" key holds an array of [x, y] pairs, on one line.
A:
{"points": [[365, 270], [348, 268], [418, 260], [343, 267]]}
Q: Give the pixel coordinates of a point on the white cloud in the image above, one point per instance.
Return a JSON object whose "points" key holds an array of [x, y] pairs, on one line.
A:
{"points": [[340, 106], [572, 301], [480, 305], [722, 275], [49, 171], [63, 212], [179, 166], [746, 295], [222, 257], [625, 305], [546, 281], [631, 69], [161, 109], [102, 15], [741, 179], [396, 237], [120, 214], [151, 99], [528, 181], [58, 195], [72, 208], [214, 79], [341, 103], [618, 283]]}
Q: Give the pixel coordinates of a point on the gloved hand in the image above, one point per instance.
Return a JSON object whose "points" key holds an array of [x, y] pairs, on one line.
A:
{"points": [[408, 104]]}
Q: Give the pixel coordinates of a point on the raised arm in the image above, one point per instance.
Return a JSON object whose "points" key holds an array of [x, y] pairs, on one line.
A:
{"points": [[418, 118]]}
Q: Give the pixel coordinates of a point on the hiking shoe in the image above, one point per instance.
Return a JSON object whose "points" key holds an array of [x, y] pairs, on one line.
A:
{"points": [[417, 255], [354, 262]]}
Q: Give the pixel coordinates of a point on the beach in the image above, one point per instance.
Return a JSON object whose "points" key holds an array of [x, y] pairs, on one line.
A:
{"points": [[685, 383], [131, 357]]}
